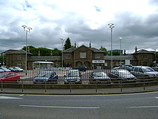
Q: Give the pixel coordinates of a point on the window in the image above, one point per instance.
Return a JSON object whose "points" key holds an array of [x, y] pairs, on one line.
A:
{"points": [[68, 56], [82, 55], [145, 56], [18, 57], [97, 56]]}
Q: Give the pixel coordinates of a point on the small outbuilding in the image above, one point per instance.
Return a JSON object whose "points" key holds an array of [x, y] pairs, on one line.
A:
{"points": [[42, 65]]}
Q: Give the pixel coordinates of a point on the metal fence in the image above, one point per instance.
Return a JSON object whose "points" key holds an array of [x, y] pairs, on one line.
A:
{"points": [[26, 85]]}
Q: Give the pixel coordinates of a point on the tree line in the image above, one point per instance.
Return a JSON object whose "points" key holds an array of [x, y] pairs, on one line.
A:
{"points": [[56, 52]]}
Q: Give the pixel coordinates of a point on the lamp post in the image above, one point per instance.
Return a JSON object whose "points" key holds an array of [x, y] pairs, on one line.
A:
{"points": [[120, 49], [26, 29], [62, 50], [111, 26]]}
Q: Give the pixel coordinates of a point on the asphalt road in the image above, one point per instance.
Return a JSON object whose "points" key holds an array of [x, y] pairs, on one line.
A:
{"points": [[129, 106]]}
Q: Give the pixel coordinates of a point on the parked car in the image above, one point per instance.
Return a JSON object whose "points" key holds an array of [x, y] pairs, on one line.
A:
{"points": [[81, 68], [155, 68], [16, 69], [73, 76], [46, 77], [127, 67], [144, 72], [1, 70], [9, 77], [99, 77], [121, 75], [5, 69]]}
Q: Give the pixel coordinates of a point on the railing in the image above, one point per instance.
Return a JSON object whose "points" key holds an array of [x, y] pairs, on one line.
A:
{"points": [[26, 85]]}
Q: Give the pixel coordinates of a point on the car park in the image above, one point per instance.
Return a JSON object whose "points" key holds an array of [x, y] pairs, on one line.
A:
{"points": [[46, 77], [73, 76], [9, 77], [121, 75], [99, 77], [144, 72]]}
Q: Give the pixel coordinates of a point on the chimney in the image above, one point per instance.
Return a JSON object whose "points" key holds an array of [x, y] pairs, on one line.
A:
{"points": [[90, 44], [136, 49]]}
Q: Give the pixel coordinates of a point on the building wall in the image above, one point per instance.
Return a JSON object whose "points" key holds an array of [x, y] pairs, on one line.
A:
{"points": [[15, 60], [145, 59], [75, 58]]}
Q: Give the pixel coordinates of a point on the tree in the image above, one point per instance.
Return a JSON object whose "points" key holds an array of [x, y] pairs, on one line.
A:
{"points": [[67, 44], [114, 53], [42, 51], [56, 52], [105, 50]]}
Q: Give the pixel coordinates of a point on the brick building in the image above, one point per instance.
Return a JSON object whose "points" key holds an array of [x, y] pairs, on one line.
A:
{"points": [[83, 55]]}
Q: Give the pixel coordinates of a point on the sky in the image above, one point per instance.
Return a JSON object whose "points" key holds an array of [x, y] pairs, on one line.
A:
{"points": [[83, 21]]}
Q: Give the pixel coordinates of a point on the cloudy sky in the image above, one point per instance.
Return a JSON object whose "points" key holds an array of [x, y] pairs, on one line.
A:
{"points": [[83, 21]]}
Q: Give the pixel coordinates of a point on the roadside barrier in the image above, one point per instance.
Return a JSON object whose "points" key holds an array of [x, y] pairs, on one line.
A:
{"points": [[27, 86]]}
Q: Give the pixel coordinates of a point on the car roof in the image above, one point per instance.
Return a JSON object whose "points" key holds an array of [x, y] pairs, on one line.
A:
{"points": [[48, 71], [71, 70], [120, 70], [141, 66]]}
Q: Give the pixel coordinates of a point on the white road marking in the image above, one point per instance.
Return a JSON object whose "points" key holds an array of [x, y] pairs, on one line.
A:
{"points": [[156, 97], [144, 107], [6, 97], [59, 107]]}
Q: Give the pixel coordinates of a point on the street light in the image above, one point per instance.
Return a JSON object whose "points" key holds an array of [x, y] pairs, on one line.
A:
{"points": [[120, 49], [62, 50], [111, 26], [26, 29]]}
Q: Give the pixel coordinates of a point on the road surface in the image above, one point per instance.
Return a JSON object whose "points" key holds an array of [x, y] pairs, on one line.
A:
{"points": [[129, 106]]}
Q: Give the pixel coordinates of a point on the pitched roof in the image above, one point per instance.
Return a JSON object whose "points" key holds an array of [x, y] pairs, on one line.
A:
{"points": [[123, 57], [16, 52], [143, 51], [44, 58], [73, 49]]}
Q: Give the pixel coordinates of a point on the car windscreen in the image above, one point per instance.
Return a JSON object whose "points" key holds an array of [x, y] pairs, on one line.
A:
{"points": [[148, 69], [124, 73], [99, 74], [44, 74], [73, 74]]}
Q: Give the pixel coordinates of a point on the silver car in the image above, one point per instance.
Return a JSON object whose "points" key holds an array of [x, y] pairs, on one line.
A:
{"points": [[144, 72], [73, 76], [121, 75], [99, 77]]}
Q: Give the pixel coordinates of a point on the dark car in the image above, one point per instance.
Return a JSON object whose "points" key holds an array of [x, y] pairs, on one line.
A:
{"points": [[46, 77], [73, 76], [121, 75], [9, 77], [127, 67], [99, 77], [81, 68]]}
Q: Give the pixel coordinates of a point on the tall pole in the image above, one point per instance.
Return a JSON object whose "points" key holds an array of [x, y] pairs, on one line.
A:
{"points": [[26, 29], [111, 26], [120, 49], [62, 50]]}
